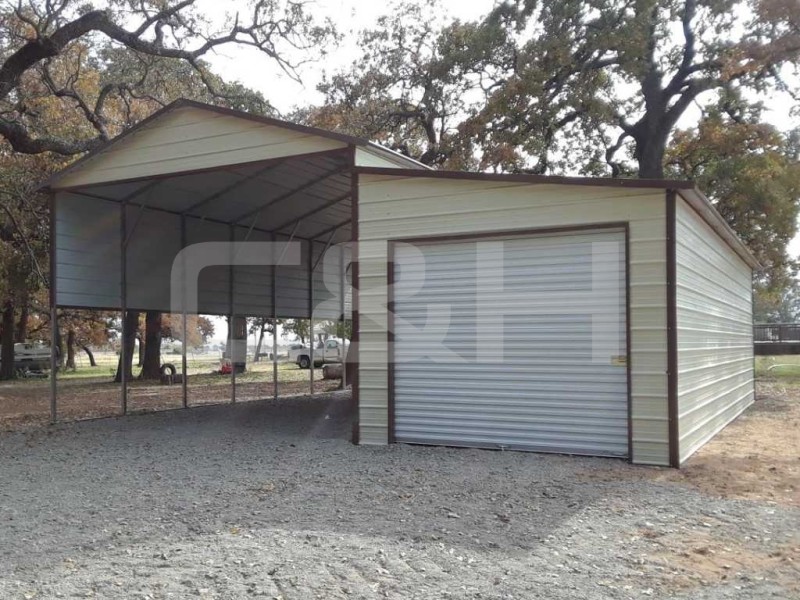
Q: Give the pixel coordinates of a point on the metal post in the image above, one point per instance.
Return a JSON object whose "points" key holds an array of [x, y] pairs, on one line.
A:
{"points": [[342, 290], [274, 291], [184, 377], [232, 317], [275, 357], [123, 279], [53, 314], [53, 362], [311, 312]]}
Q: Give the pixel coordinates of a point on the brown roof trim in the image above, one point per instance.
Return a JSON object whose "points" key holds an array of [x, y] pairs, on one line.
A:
{"points": [[533, 179]]}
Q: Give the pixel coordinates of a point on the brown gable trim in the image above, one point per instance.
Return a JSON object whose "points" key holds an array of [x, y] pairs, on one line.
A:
{"points": [[532, 179]]}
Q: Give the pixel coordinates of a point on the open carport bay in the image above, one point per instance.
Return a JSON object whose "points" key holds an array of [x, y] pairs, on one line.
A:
{"points": [[270, 499]]}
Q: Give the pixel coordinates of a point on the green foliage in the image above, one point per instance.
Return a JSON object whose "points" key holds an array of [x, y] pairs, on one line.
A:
{"points": [[752, 174], [413, 85], [296, 327]]}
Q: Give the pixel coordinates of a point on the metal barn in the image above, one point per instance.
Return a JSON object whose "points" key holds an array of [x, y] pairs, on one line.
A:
{"points": [[576, 315]]}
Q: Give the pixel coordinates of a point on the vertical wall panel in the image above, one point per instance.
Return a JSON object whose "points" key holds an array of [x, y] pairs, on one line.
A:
{"points": [[154, 242], [252, 284], [213, 281], [292, 285], [87, 248]]}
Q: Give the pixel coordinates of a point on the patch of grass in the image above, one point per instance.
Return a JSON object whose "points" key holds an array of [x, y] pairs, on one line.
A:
{"points": [[202, 370], [782, 369]]}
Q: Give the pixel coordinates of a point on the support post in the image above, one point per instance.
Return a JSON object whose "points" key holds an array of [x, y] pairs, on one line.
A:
{"points": [[123, 280], [274, 291], [232, 317], [184, 377], [311, 313], [53, 315], [343, 320]]}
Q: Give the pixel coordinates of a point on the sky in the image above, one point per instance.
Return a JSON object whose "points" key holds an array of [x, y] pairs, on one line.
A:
{"points": [[349, 16], [258, 72]]}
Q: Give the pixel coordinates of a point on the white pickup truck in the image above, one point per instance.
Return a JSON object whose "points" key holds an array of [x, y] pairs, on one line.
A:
{"points": [[30, 356], [332, 350]]}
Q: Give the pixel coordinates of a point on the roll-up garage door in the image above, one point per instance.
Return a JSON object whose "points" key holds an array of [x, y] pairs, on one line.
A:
{"points": [[516, 343]]}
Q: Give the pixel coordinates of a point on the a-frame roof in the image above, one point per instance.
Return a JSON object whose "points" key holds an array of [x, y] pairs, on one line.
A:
{"points": [[188, 136]]}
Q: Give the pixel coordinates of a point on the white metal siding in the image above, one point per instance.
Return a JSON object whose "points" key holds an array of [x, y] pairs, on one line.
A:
{"points": [[191, 138], [328, 283], [87, 248], [715, 332], [154, 240], [373, 157], [513, 343], [395, 207], [253, 283], [87, 253]]}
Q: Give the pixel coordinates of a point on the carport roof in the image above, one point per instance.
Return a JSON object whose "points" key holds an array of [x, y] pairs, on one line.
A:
{"points": [[216, 164], [58, 180]]}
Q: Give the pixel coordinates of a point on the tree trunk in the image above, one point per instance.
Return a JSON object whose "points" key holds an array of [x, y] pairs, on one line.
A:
{"points": [[131, 326], [140, 361], [236, 344], [59, 347], [90, 354], [650, 155], [22, 324], [260, 342], [151, 366], [7, 370], [71, 349]]}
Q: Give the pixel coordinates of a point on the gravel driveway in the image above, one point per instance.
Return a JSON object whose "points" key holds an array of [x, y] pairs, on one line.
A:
{"points": [[271, 500]]}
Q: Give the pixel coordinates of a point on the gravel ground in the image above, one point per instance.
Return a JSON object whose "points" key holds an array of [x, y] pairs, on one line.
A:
{"points": [[271, 500]]}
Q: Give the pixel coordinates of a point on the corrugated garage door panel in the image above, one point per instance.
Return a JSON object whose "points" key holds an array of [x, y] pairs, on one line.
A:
{"points": [[513, 343]]}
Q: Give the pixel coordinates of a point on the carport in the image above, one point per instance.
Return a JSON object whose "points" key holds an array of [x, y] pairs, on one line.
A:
{"points": [[124, 216]]}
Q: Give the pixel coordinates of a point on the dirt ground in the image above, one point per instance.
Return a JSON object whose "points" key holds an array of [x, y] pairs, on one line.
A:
{"points": [[27, 403], [269, 499], [755, 458]]}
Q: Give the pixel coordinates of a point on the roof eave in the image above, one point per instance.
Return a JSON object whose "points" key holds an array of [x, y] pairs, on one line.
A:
{"points": [[700, 203]]}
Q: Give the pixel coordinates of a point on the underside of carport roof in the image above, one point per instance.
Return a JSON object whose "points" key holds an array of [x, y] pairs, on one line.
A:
{"points": [[194, 173]]}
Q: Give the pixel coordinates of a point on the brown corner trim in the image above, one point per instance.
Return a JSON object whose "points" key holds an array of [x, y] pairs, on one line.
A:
{"points": [[672, 333], [354, 342], [390, 322], [629, 365]]}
